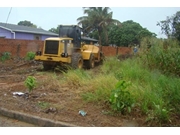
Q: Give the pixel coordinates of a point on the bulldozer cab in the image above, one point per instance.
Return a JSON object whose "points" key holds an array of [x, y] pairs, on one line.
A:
{"points": [[71, 31]]}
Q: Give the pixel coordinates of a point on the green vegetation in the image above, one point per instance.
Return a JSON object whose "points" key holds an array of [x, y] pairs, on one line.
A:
{"points": [[153, 90], [163, 55], [27, 23], [129, 33], [30, 55], [171, 26], [97, 19], [147, 84], [43, 105], [30, 83], [120, 99], [5, 56]]}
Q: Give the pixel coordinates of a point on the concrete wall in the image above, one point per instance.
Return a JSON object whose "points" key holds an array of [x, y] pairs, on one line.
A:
{"points": [[19, 48]]}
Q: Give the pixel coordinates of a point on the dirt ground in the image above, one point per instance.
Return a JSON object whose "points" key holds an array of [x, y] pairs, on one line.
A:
{"points": [[64, 101]]}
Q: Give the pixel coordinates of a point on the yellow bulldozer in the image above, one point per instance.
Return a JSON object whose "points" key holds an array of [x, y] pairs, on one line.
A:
{"points": [[70, 48]]}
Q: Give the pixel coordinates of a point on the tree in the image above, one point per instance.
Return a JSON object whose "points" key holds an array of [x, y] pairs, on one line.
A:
{"points": [[130, 33], [27, 23], [55, 30], [97, 19], [171, 26]]}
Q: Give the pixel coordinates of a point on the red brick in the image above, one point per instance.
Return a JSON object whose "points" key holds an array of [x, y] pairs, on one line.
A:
{"points": [[19, 48]]}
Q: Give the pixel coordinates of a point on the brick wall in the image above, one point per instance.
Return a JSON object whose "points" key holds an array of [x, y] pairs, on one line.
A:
{"points": [[113, 51], [19, 48]]}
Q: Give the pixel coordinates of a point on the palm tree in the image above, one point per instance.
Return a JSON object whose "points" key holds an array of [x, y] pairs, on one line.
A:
{"points": [[98, 18]]}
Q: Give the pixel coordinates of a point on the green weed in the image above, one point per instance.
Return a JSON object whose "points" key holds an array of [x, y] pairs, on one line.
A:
{"points": [[5, 56], [121, 99], [30, 56], [43, 105], [30, 83]]}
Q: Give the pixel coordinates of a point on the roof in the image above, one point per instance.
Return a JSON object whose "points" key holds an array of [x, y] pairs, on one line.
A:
{"points": [[89, 39], [26, 29], [58, 38]]}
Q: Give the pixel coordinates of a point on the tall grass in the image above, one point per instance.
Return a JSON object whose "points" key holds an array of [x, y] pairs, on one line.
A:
{"points": [[155, 86], [94, 87], [162, 55]]}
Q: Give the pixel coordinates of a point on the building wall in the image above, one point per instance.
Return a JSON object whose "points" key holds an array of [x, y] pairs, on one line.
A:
{"points": [[24, 36], [47, 36], [5, 33], [20, 35], [19, 48], [29, 36]]}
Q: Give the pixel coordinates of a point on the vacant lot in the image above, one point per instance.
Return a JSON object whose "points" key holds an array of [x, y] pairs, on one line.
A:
{"points": [[51, 100]]}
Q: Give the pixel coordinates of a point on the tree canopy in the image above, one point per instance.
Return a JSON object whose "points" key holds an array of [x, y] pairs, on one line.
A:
{"points": [[97, 19], [55, 30], [27, 23], [99, 24], [171, 26], [129, 33]]}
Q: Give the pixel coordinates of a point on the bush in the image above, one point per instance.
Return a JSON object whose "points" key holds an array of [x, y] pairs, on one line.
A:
{"points": [[30, 55], [163, 55], [5, 56], [121, 99]]}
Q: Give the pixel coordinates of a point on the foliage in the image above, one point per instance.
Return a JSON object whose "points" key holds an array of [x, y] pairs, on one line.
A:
{"points": [[27, 23], [30, 55], [99, 88], [171, 26], [55, 30], [129, 33], [5, 56], [110, 65], [30, 83], [97, 19], [121, 99], [151, 93], [93, 34], [76, 77], [164, 55]]}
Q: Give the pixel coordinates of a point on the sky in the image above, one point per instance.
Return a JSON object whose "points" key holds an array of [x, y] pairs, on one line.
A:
{"points": [[52, 13]]}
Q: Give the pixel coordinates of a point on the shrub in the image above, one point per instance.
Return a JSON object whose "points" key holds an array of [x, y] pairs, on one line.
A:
{"points": [[30, 55], [120, 99], [163, 55], [30, 83], [5, 56]]}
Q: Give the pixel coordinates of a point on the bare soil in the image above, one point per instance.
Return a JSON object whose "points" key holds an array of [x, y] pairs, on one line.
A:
{"points": [[60, 103]]}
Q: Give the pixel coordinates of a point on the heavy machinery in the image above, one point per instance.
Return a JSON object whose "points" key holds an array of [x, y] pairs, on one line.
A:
{"points": [[69, 48]]}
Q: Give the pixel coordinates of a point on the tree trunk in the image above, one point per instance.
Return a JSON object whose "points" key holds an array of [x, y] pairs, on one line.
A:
{"points": [[100, 46], [106, 34]]}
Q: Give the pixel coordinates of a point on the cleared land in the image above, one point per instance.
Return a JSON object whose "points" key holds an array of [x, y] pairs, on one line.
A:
{"points": [[51, 100]]}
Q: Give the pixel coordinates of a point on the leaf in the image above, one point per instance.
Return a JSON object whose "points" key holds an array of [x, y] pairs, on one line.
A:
{"points": [[129, 109], [30, 82], [118, 104]]}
